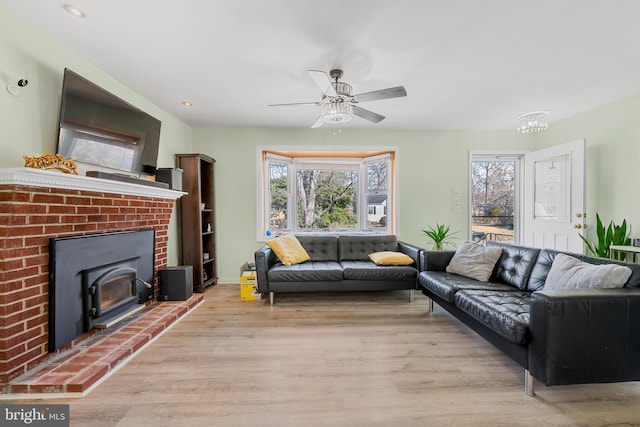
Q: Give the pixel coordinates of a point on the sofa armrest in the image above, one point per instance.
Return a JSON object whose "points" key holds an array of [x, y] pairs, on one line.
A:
{"points": [[585, 336], [263, 258], [412, 251], [435, 260]]}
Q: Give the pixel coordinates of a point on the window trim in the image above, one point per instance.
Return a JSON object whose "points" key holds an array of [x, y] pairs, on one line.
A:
{"points": [[323, 155]]}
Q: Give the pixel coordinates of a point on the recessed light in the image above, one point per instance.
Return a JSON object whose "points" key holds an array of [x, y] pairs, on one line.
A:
{"points": [[187, 103], [72, 10]]}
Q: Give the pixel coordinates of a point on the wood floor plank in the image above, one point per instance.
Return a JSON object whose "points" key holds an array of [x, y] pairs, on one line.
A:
{"points": [[335, 360]]}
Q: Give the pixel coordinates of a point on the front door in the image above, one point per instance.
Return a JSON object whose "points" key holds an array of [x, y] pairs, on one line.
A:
{"points": [[554, 202]]}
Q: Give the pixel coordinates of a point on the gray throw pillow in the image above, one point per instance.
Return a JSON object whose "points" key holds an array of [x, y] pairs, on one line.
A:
{"points": [[474, 261], [568, 272]]}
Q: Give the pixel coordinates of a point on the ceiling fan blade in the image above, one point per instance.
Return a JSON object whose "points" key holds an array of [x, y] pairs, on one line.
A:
{"points": [[315, 104], [392, 92], [318, 122], [366, 114], [323, 81]]}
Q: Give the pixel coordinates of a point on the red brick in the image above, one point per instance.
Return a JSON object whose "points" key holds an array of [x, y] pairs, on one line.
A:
{"points": [[36, 260], [114, 357], [55, 230], [8, 287], [29, 209], [109, 210], [101, 202], [87, 378], [61, 209], [85, 227], [75, 201], [25, 230], [16, 197], [12, 264], [67, 191], [36, 301], [12, 353], [44, 219], [73, 219], [37, 241], [23, 315], [20, 295], [38, 321], [10, 307], [40, 343], [13, 220], [19, 274], [21, 338], [36, 281], [50, 199], [97, 218], [11, 373]]}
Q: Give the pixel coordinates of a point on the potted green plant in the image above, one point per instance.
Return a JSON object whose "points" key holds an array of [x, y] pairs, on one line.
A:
{"points": [[441, 236], [612, 235]]}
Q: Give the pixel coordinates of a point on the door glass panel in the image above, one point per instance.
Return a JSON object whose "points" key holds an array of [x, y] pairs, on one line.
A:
{"points": [[493, 200], [551, 189]]}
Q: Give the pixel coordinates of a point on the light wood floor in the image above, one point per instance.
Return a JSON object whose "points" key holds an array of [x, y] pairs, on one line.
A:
{"points": [[335, 360]]}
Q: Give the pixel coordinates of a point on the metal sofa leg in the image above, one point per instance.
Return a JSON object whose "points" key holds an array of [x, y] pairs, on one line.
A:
{"points": [[412, 295], [271, 298], [430, 305], [528, 383]]}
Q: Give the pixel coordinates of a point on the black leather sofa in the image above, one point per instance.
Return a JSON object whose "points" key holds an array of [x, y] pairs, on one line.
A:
{"points": [[338, 263], [559, 337]]}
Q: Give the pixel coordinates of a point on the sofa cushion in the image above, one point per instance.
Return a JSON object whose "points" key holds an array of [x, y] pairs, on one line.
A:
{"points": [[288, 249], [567, 272], [545, 260], [310, 271], [390, 258], [320, 248], [506, 313], [515, 264], [358, 248], [445, 285], [367, 270], [474, 261]]}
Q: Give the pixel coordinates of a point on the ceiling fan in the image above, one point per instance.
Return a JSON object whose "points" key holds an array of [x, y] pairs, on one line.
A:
{"points": [[338, 103]]}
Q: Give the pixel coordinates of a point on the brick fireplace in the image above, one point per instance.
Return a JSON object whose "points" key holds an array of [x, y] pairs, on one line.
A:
{"points": [[36, 205]]}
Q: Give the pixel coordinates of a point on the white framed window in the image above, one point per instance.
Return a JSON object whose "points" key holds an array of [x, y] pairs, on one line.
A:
{"points": [[323, 190], [495, 188]]}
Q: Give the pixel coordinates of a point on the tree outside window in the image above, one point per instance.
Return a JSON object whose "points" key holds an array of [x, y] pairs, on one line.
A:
{"points": [[325, 193]]}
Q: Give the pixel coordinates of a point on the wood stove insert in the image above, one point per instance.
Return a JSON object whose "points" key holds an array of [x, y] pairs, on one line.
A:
{"points": [[94, 279]]}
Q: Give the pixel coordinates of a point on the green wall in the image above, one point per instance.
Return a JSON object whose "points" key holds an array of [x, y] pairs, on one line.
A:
{"points": [[431, 163], [29, 122]]}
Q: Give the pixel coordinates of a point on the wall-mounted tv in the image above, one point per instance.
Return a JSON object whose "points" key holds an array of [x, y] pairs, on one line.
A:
{"points": [[99, 129]]}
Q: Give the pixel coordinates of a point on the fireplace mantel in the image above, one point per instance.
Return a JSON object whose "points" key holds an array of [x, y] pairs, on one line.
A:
{"points": [[46, 178]]}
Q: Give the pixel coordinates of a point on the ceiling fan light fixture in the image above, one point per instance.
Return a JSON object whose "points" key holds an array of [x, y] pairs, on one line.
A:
{"points": [[534, 122], [337, 112]]}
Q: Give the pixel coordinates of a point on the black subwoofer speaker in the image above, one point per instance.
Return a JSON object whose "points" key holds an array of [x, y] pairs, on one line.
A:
{"points": [[176, 283]]}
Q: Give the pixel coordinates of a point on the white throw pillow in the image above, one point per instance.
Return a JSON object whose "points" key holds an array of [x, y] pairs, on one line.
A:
{"points": [[474, 261], [568, 272]]}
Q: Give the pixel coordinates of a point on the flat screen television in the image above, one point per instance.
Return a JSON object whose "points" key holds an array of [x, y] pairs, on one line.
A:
{"points": [[99, 129]]}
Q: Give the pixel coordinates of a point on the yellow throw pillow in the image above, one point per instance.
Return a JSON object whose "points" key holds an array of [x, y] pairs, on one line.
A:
{"points": [[288, 249], [390, 258]]}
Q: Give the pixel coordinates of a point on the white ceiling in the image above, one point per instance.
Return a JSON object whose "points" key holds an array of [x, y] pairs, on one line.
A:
{"points": [[466, 64]]}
